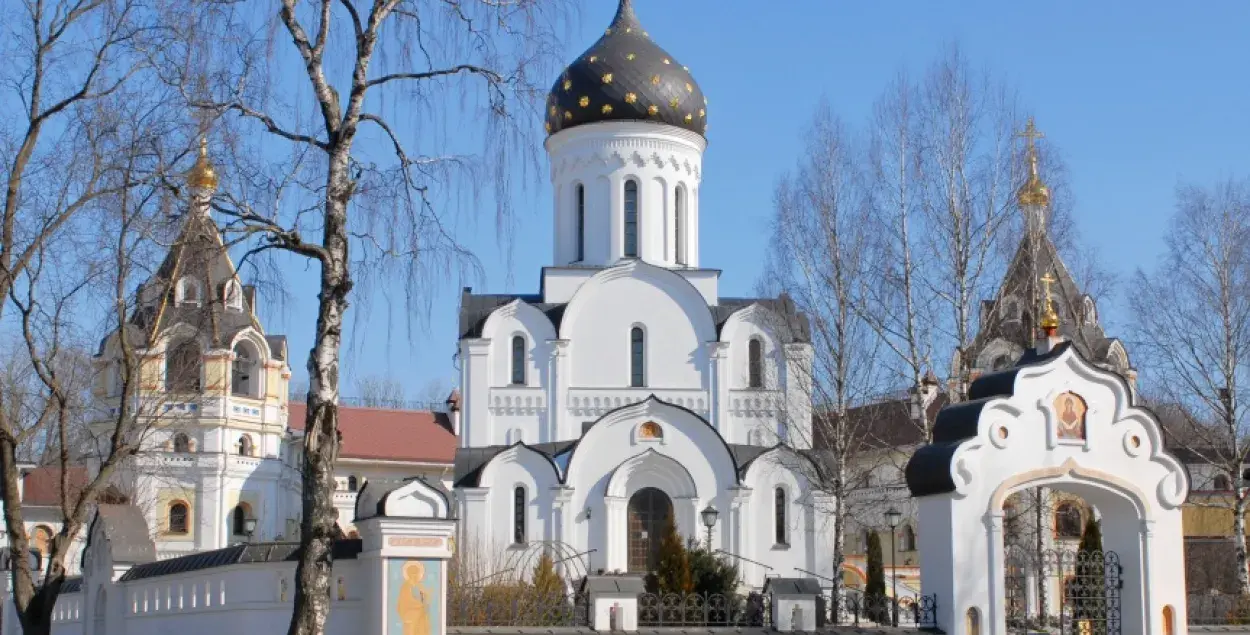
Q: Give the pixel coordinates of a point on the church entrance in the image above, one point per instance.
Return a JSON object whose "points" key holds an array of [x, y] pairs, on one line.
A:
{"points": [[649, 511]]}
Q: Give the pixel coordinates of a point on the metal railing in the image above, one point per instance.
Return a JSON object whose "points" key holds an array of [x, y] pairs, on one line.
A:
{"points": [[698, 609]]}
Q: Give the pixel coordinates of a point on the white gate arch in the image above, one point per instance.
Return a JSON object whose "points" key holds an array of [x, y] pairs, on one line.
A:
{"points": [[1054, 420]]}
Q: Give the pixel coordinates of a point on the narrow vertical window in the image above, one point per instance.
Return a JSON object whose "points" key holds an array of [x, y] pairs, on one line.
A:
{"points": [[637, 359], [581, 223], [631, 219], [755, 361], [779, 517], [518, 360], [679, 222], [518, 515]]}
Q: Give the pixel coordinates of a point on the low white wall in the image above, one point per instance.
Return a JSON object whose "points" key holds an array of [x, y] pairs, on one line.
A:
{"points": [[235, 599]]}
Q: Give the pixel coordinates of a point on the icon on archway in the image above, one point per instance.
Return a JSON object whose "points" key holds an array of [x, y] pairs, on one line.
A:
{"points": [[1071, 408]]}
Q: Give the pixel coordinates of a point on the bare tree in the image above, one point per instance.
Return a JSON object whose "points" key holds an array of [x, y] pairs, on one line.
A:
{"points": [[375, 391], [820, 237], [1193, 324], [79, 134], [439, 65], [965, 124], [895, 308]]}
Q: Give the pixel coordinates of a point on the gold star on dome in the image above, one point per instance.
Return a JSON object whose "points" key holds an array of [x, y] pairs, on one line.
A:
{"points": [[607, 109], [629, 30], [666, 61], [553, 111], [705, 100], [630, 98], [702, 112], [689, 118], [584, 101], [607, 31], [645, 34], [653, 110], [689, 87], [568, 115], [655, 80], [594, 58], [686, 68], [630, 57], [568, 83], [673, 102], [547, 125], [607, 78]]}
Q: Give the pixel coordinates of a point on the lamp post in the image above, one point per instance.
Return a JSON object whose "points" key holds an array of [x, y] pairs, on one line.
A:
{"points": [[892, 517], [709, 514], [249, 527]]}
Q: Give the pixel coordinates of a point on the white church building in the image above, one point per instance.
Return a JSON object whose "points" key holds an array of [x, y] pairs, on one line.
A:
{"points": [[628, 390]]}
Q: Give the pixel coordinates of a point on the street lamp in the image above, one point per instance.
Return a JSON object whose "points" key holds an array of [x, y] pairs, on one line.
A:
{"points": [[709, 514], [892, 516], [249, 527]]}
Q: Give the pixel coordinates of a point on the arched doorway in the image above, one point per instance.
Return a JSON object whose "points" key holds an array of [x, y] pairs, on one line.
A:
{"points": [[649, 511]]}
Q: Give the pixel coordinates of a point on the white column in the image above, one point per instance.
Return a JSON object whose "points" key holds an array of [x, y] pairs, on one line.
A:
{"points": [[998, 591], [475, 515], [718, 397], [692, 227], [557, 391], [616, 218], [798, 395], [475, 418], [616, 539], [561, 514], [740, 543]]}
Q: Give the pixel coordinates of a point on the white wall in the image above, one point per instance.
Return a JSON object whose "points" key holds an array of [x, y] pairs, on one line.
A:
{"points": [[601, 157]]}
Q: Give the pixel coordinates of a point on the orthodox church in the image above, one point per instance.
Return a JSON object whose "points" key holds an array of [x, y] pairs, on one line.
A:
{"points": [[628, 391]]}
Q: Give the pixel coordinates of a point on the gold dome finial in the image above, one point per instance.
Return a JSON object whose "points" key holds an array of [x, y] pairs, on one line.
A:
{"points": [[1034, 191], [203, 175], [1050, 318]]}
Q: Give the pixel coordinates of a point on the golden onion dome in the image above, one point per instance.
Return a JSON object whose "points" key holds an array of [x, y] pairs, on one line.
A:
{"points": [[1034, 191], [203, 175]]}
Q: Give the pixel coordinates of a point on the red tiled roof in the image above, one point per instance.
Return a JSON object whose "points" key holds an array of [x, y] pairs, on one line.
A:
{"points": [[42, 486], [419, 436]]}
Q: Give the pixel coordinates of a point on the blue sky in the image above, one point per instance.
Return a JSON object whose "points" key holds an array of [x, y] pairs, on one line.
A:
{"points": [[1137, 96]]}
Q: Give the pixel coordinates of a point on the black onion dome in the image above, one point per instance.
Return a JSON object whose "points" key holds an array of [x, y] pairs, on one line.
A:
{"points": [[626, 77]]}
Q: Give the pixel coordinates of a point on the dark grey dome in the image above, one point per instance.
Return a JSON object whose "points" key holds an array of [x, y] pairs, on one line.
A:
{"points": [[625, 76]]}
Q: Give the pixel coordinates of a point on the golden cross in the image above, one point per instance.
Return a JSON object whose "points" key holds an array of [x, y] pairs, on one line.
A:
{"points": [[1048, 280], [1030, 133]]}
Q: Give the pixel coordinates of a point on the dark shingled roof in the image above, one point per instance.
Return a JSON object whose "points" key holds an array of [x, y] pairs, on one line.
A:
{"points": [[792, 586], [127, 533], [345, 549], [476, 308]]}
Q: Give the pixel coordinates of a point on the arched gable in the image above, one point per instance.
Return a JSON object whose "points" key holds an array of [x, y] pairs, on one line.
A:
{"points": [[537, 464], [612, 440], [414, 498], [779, 465], [651, 469], [752, 319], [536, 323], [674, 285]]}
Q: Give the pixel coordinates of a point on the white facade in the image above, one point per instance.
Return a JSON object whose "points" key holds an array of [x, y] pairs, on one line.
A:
{"points": [[629, 389]]}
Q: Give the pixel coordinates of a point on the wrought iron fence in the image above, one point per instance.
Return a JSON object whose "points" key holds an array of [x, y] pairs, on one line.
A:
{"points": [[515, 605], [697, 609], [1218, 609], [857, 609]]}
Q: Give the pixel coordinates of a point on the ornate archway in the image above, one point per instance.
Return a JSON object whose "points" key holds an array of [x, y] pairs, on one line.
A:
{"points": [[649, 512], [1055, 421]]}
